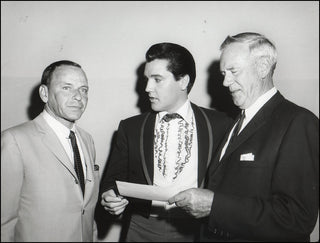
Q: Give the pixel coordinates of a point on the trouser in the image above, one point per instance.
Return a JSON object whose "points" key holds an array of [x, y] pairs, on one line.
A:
{"points": [[162, 229]]}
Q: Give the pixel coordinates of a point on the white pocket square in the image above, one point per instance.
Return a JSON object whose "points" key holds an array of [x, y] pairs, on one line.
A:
{"points": [[247, 157]]}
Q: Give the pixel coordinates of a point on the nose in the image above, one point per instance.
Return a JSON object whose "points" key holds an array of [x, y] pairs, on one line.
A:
{"points": [[227, 81], [77, 94], [149, 86]]}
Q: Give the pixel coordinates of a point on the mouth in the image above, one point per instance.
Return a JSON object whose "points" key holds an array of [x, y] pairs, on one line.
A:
{"points": [[232, 92], [152, 99], [76, 107]]}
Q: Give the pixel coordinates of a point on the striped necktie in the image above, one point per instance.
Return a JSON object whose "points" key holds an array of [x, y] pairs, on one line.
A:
{"points": [[238, 127]]}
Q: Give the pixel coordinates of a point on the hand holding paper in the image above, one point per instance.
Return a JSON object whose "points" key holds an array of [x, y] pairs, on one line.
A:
{"points": [[195, 201], [112, 203]]}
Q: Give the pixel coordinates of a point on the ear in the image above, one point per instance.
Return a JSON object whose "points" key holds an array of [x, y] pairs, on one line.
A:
{"points": [[43, 92], [263, 66], [184, 81]]}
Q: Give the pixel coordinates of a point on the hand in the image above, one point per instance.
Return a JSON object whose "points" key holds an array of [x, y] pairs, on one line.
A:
{"points": [[114, 204], [195, 201]]}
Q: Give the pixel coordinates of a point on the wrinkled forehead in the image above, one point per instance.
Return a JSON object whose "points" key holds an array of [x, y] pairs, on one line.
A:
{"points": [[70, 74], [234, 53]]}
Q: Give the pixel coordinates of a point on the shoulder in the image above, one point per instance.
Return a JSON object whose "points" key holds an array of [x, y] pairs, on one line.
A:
{"points": [[292, 119], [291, 111], [24, 133], [84, 134], [136, 120], [212, 114], [23, 128]]}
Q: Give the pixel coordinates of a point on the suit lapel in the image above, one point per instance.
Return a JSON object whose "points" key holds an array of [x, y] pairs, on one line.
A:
{"points": [[146, 146], [89, 185], [216, 161], [52, 142], [203, 143], [257, 122]]}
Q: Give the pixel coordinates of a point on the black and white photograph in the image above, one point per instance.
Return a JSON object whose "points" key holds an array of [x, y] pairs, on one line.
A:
{"points": [[159, 121]]}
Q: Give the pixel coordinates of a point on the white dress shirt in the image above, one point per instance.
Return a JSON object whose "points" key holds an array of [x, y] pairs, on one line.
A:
{"points": [[188, 176], [63, 133], [250, 113]]}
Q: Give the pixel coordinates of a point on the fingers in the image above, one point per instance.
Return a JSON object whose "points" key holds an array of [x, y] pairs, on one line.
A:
{"points": [[111, 199], [112, 203], [116, 208], [178, 199]]}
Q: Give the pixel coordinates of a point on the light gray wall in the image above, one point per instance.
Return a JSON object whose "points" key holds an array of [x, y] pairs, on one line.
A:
{"points": [[109, 40]]}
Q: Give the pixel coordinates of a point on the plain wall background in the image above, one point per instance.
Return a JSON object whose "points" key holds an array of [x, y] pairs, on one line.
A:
{"points": [[109, 40]]}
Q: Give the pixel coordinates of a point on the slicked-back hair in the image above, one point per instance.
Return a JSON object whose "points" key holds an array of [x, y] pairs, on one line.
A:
{"points": [[180, 60], [258, 45], [47, 73]]}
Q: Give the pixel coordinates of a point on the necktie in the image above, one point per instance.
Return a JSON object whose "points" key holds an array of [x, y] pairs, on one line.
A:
{"points": [[238, 126], [77, 160], [168, 117]]}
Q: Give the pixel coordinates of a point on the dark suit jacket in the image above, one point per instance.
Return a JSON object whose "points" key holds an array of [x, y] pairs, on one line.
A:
{"points": [[132, 157], [276, 196]]}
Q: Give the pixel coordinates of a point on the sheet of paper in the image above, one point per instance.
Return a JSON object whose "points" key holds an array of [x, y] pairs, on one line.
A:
{"points": [[147, 192]]}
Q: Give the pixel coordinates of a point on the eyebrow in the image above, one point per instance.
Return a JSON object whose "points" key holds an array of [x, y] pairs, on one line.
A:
{"points": [[71, 84], [232, 68], [156, 75]]}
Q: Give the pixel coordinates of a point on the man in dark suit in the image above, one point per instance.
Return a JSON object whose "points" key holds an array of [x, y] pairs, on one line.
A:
{"points": [[171, 146], [263, 185]]}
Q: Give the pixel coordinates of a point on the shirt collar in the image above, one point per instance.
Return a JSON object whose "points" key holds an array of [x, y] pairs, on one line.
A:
{"points": [[256, 106], [57, 126], [185, 111]]}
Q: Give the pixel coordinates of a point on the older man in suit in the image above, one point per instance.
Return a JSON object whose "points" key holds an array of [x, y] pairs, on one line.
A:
{"points": [[263, 184], [49, 180], [170, 147]]}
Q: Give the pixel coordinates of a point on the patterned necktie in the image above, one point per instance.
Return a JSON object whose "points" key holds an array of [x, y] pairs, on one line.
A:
{"points": [[77, 160], [168, 117], [238, 127]]}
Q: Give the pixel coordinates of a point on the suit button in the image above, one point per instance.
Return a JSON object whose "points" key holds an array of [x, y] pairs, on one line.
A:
{"points": [[83, 211], [76, 181], [215, 231]]}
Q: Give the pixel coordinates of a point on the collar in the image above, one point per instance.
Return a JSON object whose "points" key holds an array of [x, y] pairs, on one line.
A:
{"points": [[185, 111], [256, 106], [57, 126]]}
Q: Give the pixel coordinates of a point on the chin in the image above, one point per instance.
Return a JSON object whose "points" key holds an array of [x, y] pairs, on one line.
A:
{"points": [[237, 102], [74, 118], [156, 108]]}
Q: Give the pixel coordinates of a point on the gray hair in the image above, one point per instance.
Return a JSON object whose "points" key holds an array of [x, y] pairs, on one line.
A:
{"points": [[259, 46]]}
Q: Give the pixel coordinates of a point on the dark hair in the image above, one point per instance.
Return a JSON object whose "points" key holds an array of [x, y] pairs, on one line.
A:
{"points": [[180, 60], [47, 73]]}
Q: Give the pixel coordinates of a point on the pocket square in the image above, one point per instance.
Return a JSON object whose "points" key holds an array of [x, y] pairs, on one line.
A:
{"points": [[247, 157]]}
